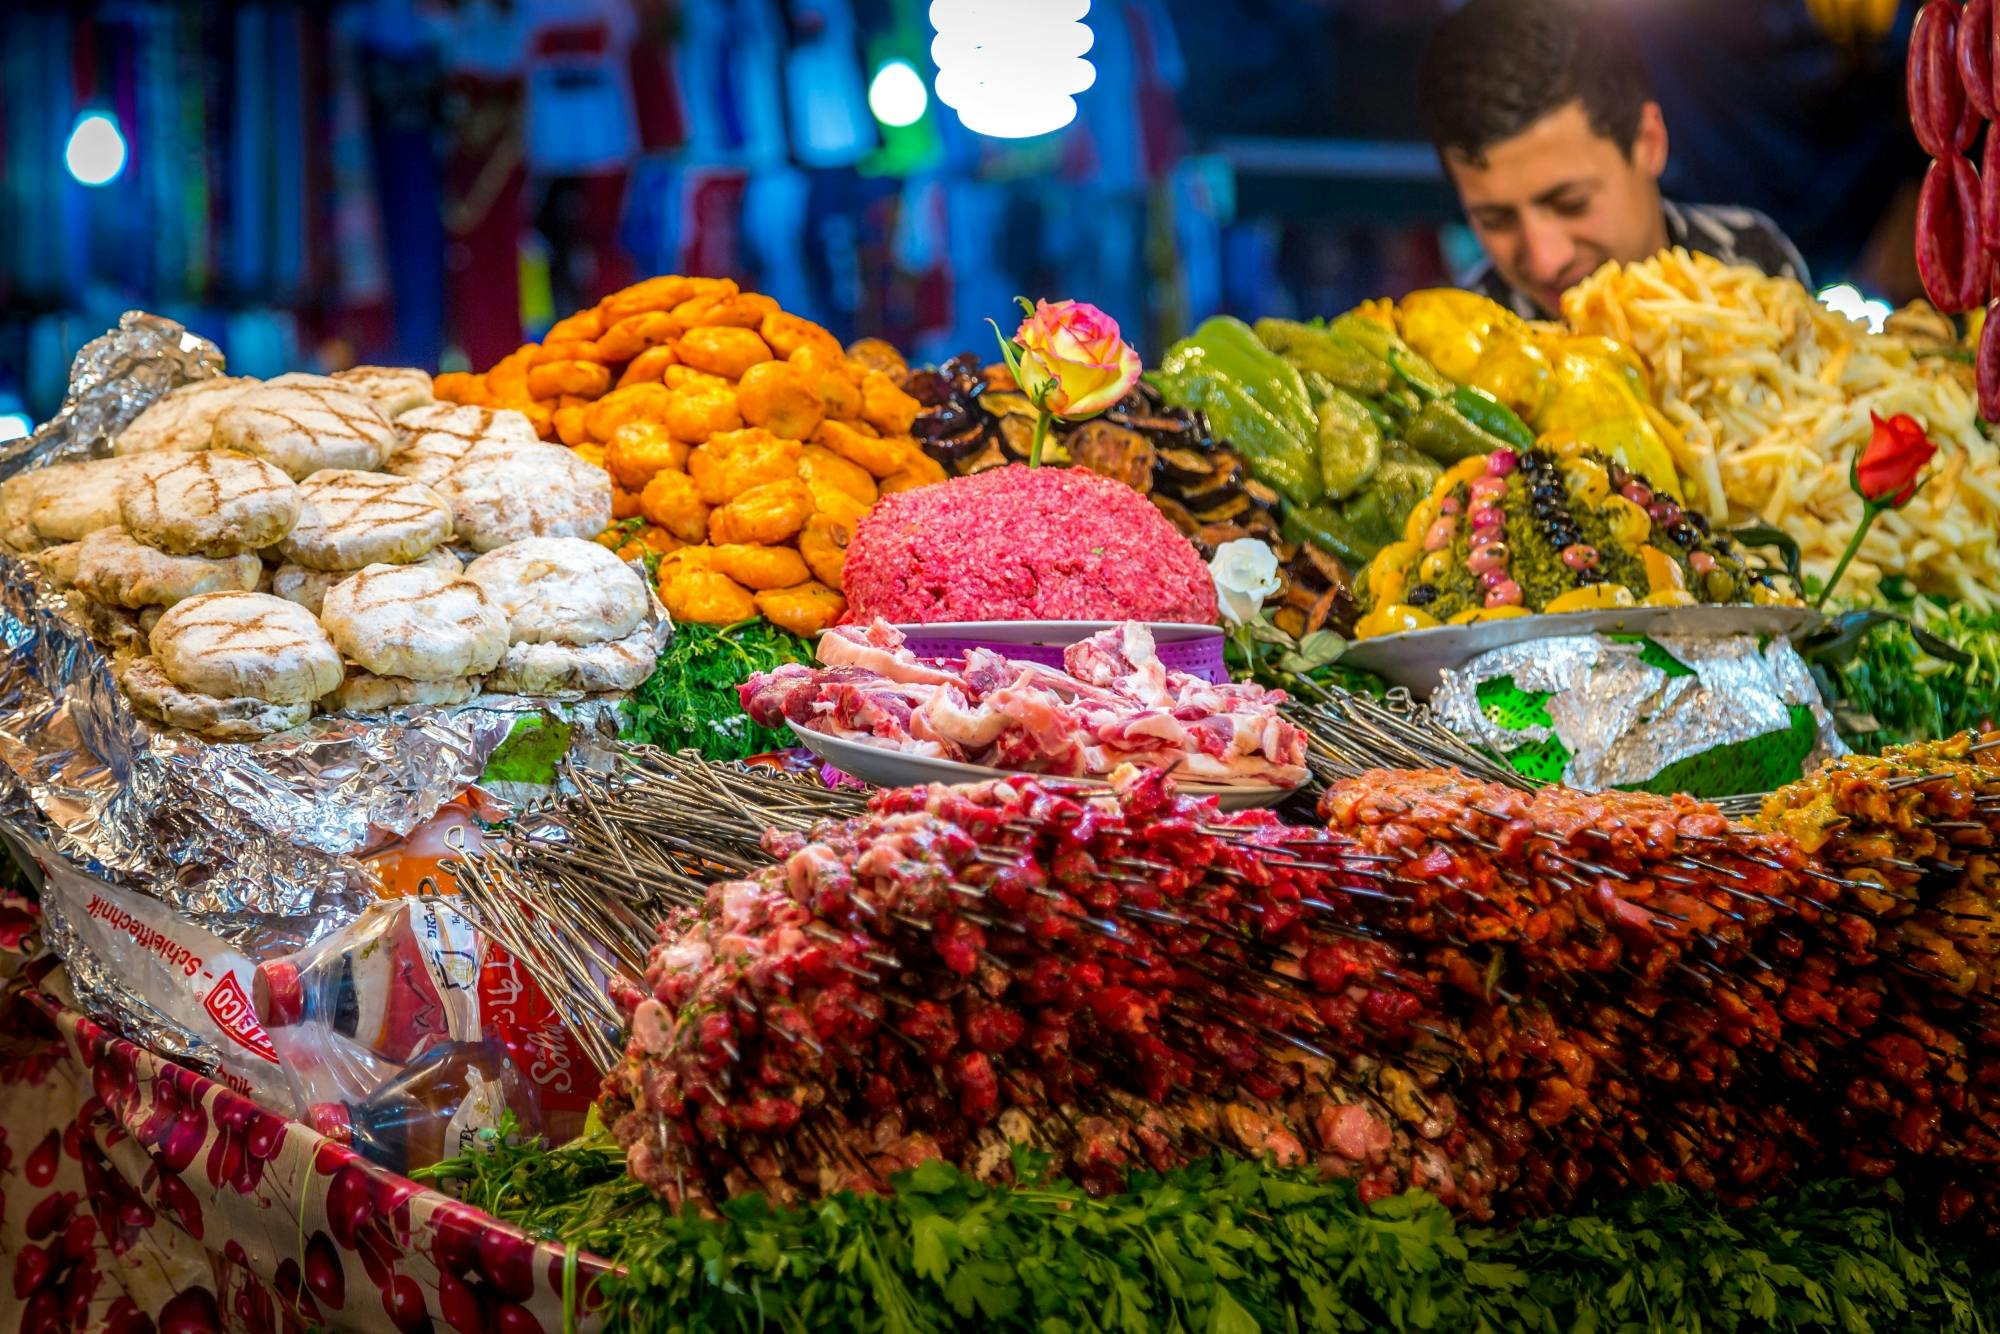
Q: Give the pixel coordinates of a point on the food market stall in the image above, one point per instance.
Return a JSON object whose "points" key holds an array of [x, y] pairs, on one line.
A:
{"points": [[785, 836]]}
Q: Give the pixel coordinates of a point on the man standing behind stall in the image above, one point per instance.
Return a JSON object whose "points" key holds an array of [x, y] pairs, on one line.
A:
{"points": [[1545, 121]]}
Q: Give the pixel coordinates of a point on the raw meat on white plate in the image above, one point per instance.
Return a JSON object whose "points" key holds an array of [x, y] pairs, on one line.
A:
{"points": [[1116, 703]]}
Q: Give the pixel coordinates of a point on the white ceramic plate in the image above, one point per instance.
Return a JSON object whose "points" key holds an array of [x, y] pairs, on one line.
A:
{"points": [[894, 768], [1418, 658]]}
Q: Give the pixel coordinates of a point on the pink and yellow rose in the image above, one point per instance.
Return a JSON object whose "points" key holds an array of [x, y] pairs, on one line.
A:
{"points": [[1073, 364]]}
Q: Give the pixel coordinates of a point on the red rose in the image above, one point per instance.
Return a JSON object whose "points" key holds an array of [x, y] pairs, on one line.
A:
{"points": [[1886, 472]]}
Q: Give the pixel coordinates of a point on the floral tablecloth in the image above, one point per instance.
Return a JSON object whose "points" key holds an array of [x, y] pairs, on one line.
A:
{"points": [[136, 1195]]}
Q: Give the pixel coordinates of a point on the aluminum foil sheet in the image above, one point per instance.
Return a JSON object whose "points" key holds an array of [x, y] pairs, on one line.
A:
{"points": [[114, 377], [257, 844], [1623, 720]]}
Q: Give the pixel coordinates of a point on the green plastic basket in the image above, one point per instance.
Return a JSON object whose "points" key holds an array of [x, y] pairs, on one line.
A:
{"points": [[1759, 764]]}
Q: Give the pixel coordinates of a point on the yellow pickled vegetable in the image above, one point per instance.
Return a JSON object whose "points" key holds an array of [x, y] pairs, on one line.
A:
{"points": [[1393, 619], [1673, 597], [1452, 328], [1629, 524], [1421, 516], [1480, 615], [1591, 398], [1597, 597], [1465, 470], [1392, 561], [1515, 372], [1663, 572], [1588, 481], [1435, 566]]}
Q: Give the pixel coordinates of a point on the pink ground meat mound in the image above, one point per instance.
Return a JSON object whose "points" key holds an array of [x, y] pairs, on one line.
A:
{"points": [[1023, 544]]}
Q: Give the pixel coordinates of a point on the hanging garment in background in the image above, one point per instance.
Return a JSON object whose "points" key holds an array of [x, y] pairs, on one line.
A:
{"points": [[656, 88], [361, 268], [582, 138], [774, 244], [711, 225], [402, 81], [1159, 74], [729, 61], [828, 108], [581, 119], [485, 50]]}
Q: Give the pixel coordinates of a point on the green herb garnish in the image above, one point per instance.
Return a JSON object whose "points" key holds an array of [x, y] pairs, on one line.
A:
{"points": [[1893, 692], [1230, 1246], [690, 700]]}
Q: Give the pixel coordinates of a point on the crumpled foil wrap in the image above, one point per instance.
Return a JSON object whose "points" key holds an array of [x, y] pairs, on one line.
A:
{"points": [[113, 379], [1621, 719], [256, 843]]}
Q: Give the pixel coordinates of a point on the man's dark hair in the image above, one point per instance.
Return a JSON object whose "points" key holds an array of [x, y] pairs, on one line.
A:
{"points": [[1495, 67]]}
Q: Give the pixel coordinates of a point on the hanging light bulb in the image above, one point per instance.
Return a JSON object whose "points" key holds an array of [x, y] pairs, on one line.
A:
{"points": [[96, 151], [1011, 69], [897, 95]]}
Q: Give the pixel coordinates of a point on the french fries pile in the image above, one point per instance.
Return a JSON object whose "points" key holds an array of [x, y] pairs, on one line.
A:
{"points": [[1772, 392], [743, 443]]}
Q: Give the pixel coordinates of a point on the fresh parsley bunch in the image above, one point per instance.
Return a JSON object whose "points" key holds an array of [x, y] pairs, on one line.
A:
{"points": [[1230, 1246], [690, 700]]}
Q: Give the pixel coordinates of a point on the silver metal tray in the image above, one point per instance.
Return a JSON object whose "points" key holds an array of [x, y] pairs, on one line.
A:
{"points": [[1417, 659]]}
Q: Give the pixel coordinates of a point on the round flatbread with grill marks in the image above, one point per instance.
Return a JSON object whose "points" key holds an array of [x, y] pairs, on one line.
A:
{"points": [[246, 645], [78, 498], [409, 620], [503, 491], [155, 695], [308, 588], [114, 568], [353, 519], [562, 590], [304, 427], [577, 669], [431, 440], [213, 503], [183, 419], [394, 389], [365, 692]]}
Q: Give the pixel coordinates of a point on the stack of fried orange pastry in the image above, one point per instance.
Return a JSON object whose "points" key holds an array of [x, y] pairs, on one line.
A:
{"points": [[745, 441]]}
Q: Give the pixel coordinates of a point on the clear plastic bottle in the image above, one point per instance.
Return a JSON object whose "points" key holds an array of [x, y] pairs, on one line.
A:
{"points": [[398, 980], [436, 1108]]}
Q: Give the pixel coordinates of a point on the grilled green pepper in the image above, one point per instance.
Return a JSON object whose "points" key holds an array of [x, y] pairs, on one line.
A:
{"points": [[1419, 374], [1492, 416], [1325, 527], [1318, 351], [1271, 379], [1404, 478], [1350, 444], [1253, 398], [1275, 451], [1442, 432], [1371, 336]]}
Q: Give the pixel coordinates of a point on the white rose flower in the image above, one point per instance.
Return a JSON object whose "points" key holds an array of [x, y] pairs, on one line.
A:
{"points": [[1245, 573]]}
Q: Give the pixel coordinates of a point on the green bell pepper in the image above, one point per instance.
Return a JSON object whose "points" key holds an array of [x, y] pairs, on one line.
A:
{"points": [[1318, 351], [1273, 451], [1489, 414], [1418, 374], [1326, 528], [1350, 444], [1443, 432]]}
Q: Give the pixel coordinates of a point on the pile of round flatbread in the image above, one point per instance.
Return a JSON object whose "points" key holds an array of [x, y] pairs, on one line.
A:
{"points": [[254, 551]]}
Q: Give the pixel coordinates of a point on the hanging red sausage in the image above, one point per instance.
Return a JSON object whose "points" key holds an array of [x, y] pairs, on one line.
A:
{"points": [[1944, 120], [1950, 260]]}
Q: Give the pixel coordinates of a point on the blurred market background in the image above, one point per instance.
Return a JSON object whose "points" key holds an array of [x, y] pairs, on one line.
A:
{"points": [[386, 181]]}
